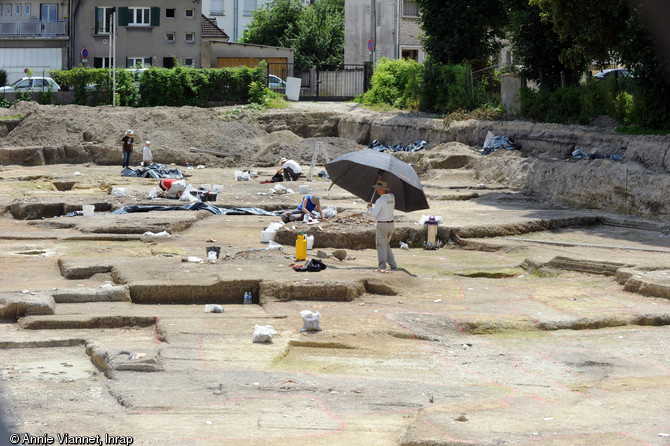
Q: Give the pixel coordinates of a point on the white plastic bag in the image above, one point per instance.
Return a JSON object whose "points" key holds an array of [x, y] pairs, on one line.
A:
{"points": [[187, 196], [264, 333], [330, 212], [310, 321], [119, 191], [274, 226], [274, 246], [153, 193]]}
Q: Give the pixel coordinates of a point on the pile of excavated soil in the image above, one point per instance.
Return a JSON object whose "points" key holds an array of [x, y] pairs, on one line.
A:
{"points": [[239, 138]]}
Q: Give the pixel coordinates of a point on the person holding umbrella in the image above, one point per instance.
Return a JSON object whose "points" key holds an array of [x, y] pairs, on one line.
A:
{"points": [[382, 211]]}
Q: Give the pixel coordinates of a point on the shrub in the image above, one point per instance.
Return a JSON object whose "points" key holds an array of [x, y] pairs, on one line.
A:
{"points": [[3, 77]]}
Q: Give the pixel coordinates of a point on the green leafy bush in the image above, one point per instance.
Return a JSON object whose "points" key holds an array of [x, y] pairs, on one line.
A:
{"points": [[3, 77]]}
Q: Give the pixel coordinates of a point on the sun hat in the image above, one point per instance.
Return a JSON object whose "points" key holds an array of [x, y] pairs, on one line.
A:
{"points": [[314, 199], [148, 142], [282, 161], [383, 185], [129, 132]]}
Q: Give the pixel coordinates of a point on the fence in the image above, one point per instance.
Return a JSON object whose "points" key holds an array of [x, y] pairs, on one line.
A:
{"points": [[33, 28], [322, 82]]}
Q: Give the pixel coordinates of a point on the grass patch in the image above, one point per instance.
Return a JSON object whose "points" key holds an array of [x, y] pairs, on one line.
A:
{"points": [[8, 118]]}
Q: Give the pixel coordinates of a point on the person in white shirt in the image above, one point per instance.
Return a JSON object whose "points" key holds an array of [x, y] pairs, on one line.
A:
{"points": [[382, 211], [147, 156], [290, 169]]}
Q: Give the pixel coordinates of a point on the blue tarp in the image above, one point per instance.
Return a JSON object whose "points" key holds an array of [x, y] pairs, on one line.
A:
{"points": [[497, 143], [580, 155], [414, 147], [153, 170]]}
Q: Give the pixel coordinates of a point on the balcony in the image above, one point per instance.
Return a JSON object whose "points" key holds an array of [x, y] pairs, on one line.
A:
{"points": [[33, 28]]}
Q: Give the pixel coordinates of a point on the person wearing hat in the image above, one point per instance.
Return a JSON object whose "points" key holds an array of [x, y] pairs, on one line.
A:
{"points": [[308, 204], [147, 156], [127, 147], [382, 211], [290, 169]]}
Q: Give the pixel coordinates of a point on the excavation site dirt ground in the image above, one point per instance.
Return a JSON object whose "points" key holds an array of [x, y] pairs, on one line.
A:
{"points": [[543, 319]]}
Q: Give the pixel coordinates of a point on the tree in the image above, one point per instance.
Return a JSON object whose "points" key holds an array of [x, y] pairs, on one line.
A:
{"points": [[316, 32], [271, 23], [461, 30], [536, 47], [591, 28], [319, 34]]}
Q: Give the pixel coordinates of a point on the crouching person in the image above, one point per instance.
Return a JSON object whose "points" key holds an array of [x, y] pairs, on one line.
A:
{"points": [[308, 204], [172, 187]]}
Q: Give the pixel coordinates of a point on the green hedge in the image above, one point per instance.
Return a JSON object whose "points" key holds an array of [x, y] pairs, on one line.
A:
{"points": [[161, 86], [429, 86], [580, 103]]}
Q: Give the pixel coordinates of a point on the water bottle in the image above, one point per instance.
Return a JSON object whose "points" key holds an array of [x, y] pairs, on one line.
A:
{"points": [[247, 297]]}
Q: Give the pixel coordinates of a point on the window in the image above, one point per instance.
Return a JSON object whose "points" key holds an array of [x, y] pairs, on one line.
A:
{"points": [[139, 16], [8, 10], [412, 54], [190, 37], [101, 62], [188, 62], [27, 10], [190, 13], [169, 37], [170, 13], [49, 12], [103, 19], [168, 62], [138, 62], [18, 8], [216, 7], [410, 8], [249, 6]]}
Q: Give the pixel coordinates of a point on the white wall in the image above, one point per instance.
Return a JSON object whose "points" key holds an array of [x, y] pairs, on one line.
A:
{"points": [[15, 60], [234, 28]]}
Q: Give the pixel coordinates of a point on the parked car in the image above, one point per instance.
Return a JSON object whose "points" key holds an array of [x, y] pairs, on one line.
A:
{"points": [[275, 82], [611, 72], [35, 83]]}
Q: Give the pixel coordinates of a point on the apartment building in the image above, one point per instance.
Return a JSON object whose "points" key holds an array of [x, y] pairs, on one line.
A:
{"points": [[232, 16], [383, 28], [156, 33], [33, 36]]}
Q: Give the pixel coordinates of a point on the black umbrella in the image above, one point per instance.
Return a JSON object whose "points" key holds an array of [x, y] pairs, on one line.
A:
{"points": [[358, 171]]}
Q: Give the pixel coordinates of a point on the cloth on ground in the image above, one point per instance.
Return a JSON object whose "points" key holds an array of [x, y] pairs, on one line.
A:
{"points": [[153, 170], [313, 266]]}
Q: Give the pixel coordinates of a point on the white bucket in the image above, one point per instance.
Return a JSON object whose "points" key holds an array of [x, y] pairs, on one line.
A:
{"points": [[218, 189], [238, 175], [310, 241], [88, 210], [266, 236], [304, 188]]}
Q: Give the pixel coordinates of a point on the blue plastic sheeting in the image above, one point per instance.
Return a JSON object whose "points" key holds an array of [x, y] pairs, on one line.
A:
{"points": [[497, 143], [414, 147], [196, 206], [153, 170], [580, 155]]}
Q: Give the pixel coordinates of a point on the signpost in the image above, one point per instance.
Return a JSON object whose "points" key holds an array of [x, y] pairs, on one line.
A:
{"points": [[84, 55]]}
